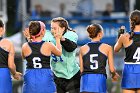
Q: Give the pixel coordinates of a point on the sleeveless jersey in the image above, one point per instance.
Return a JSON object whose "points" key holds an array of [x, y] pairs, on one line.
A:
{"points": [[3, 57], [94, 61], [36, 59], [132, 52]]}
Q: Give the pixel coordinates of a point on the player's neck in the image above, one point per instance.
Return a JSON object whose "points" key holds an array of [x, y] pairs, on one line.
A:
{"points": [[96, 39], [38, 39], [137, 28]]}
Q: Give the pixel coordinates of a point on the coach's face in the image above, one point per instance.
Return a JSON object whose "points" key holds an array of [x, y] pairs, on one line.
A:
{"points": [[56, 28]]}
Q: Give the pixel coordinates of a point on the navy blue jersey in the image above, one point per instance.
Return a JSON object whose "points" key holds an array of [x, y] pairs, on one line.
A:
{"points": [[94, 61], [132, 52], [5, 77], [36, 59], [3, 57]]}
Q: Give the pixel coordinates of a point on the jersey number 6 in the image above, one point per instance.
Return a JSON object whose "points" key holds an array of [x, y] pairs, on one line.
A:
{"points": [[35, 62]]}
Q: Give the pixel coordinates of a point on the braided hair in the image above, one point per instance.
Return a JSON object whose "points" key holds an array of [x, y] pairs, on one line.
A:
{"points": [[134, 20]]}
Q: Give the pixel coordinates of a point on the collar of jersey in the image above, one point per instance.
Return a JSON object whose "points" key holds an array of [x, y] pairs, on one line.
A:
{"points": [[95, 42], [37, 42]]}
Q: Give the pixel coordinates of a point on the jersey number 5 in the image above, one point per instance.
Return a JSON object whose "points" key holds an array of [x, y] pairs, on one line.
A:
{"points": [[137, 54], [36, 62], [92, 56]]}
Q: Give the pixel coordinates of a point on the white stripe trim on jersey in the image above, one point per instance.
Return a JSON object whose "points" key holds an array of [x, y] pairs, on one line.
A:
{"points": [[131, 62]]}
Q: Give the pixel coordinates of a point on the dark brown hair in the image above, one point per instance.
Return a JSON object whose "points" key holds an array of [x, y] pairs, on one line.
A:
{"points": [[1, 23], [34, 28], [94, 29], [134, 20], [62, 23]]}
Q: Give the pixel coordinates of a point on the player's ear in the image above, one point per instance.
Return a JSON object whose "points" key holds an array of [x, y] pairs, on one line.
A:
{"points": [[100, 35], [43, 32]]}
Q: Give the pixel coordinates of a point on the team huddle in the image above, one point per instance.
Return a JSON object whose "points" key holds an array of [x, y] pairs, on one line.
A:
{"points": [[51, 59]]}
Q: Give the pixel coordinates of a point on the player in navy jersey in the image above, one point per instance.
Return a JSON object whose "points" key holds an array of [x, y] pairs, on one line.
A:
{"points": [[39, 77], [131, 43], [7, 64], [93, 57]]}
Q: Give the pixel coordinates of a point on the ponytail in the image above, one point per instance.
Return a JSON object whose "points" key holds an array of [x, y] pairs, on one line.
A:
{"points": [[134, 20], [132, 29]]}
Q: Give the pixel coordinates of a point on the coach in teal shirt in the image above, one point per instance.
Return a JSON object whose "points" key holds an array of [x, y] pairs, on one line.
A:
{"points": [[65, 67]]}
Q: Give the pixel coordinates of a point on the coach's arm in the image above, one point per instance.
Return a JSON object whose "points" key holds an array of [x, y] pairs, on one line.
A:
{"points": [[68, 45]]}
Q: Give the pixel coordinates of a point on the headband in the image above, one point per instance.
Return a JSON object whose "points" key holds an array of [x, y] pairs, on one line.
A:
{"points": [[42, 27]]}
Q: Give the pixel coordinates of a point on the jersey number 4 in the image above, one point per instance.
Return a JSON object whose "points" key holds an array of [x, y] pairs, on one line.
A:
{"points": [[36, 62], [137, 55], [92, 56]]}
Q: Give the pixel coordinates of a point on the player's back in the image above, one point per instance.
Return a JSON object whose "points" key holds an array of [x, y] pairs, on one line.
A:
{"points": [[38, 73], [132, 50], [94, 61], [94, 72]]}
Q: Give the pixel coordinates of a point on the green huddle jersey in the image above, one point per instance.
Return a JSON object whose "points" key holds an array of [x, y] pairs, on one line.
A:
{"points": [[66, 65]]}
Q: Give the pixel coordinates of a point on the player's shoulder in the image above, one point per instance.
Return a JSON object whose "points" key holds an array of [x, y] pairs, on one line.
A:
{"points": [[48, 44], [25, 45], [84, 47], [9, 42], [106, 46]]}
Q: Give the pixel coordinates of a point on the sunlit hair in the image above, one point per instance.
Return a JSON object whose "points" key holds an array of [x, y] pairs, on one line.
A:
{"points": [[62, 23], [134, 20], [94, 29]]}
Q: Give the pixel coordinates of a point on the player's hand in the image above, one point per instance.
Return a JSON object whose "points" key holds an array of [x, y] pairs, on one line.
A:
{"points": [[115, 76], [17, 76]]}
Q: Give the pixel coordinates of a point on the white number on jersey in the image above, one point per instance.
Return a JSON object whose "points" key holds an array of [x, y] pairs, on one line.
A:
{"points": [[92, 56], [35, 62], [137, 54]]}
